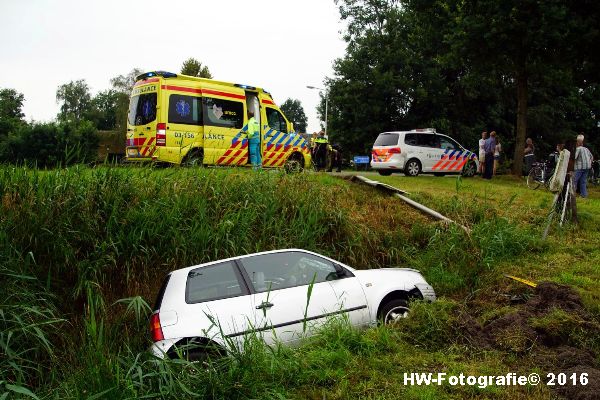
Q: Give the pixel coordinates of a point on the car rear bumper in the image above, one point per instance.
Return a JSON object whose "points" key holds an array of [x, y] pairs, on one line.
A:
{"points": [[386, 165], [160, 348]]}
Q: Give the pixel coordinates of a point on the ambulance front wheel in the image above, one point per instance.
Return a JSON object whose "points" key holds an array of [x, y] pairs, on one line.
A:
{"points": [[294, 164], [195, 158], [412, 167]]}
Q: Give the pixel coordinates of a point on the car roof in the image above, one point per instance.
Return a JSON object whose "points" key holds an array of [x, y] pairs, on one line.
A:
{"points": [[187, 269]]}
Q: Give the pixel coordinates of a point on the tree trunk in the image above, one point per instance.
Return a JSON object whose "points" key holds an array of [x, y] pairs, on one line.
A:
{"points": [[521, 122]]}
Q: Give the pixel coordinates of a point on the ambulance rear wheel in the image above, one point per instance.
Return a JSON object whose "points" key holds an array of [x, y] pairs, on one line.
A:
{"points": [[195, 158], [412, 167]]}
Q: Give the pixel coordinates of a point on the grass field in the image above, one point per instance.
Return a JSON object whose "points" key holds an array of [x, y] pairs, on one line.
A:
{"points": [[83, 251]]}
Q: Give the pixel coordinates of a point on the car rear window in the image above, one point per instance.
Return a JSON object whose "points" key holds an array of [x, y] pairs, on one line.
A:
{"points": [[212, 283], [387, 139], [142, 109], [161, 293]]}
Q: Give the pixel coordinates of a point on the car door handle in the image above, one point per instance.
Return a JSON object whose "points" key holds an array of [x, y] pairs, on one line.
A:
{"points": [[264, 305]]}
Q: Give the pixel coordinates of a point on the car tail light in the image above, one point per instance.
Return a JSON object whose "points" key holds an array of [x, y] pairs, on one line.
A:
{"points": [[155, 328], [394, 150], [161, 134]]}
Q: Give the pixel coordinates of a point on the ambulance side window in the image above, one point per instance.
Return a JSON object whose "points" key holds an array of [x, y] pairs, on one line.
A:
{"points": [[276, 120], [223, 113], [185, 110]]}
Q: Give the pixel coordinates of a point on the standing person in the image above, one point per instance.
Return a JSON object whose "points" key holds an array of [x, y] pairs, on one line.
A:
{"points": [[336, 158], [482, 152], [528, 156], [321, 143], [489, 147], [583, 163], [253, 135], [497, 151]]}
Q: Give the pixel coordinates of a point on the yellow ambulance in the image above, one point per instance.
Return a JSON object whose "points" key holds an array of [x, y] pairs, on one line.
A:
{"points": [[181, 119]]}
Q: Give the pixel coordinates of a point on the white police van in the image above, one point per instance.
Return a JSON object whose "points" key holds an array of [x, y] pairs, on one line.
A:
{"points": [[421, 150]]}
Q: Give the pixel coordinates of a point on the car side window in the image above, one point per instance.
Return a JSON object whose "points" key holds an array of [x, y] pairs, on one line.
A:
{"points": [[426, 140], [410, 139], [213, 282], [448, 144], [283, 270]]}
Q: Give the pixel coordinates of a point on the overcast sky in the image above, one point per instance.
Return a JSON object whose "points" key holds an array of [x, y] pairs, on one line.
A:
{"points": [[281, 45]]}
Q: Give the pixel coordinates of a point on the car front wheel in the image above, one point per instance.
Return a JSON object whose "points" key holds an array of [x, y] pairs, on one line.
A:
{"points": [[469, 170], [393, 311]]}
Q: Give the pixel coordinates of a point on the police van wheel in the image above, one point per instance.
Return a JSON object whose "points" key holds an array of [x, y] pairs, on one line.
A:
{"points": [[469, 170], [384, 173], [412, 167], [195, 158]]}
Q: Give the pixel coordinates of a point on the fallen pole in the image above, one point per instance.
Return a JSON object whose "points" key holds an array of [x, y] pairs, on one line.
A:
{"points": [[400, 194]]}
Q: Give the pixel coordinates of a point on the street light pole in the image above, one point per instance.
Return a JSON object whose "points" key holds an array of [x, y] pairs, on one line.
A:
{"points": [[326, 103]]}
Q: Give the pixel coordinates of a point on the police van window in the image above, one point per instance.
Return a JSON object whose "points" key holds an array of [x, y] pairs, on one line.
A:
{"points": [[410, 139], [142, 109], [185, 110], [426, 140], [447, 143], [276, 120], [223, 113], [387, 139]]}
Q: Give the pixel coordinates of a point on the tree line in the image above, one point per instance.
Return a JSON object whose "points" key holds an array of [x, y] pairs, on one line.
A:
{"points": [[523, 68]]}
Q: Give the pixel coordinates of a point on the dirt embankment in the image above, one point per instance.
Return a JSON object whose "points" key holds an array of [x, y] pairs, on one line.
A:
{"points": [[553, 329]]}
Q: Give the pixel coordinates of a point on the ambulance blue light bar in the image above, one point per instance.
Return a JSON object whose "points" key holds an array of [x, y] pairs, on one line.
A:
{"points": [[247, 87], [147, 75]]}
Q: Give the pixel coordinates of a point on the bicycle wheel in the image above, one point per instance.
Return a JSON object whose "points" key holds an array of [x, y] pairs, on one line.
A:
{"points": [[534, 178]]}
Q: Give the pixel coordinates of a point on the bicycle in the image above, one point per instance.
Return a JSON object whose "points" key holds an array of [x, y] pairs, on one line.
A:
{"points": [[540, 174]]}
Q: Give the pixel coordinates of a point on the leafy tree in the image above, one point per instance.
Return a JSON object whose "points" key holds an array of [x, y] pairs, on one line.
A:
{"points": [[193, 67], [11, 111], [75, 101], [11, 104], [293, 110], [124, 83], [107, 107]]}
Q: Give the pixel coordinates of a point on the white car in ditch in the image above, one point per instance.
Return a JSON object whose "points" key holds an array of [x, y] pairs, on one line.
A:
{"points": [[210, 307]]}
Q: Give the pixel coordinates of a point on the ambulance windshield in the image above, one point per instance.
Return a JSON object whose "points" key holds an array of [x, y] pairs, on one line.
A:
{"points": [[142, 109]]}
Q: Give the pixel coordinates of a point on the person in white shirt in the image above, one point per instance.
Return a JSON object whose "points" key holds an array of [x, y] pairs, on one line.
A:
{"points": [[583, 164], [482, 152]]}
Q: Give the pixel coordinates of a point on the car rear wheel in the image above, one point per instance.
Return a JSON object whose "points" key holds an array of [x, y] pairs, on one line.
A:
{"points": [[393, 311], [412, 167], [384, 173]]}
